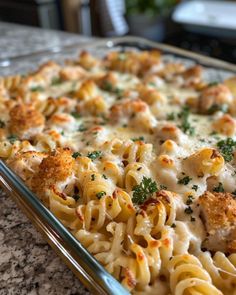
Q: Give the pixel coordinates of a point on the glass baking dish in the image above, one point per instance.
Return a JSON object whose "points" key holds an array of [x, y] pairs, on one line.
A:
{"points": [[78, 259]]}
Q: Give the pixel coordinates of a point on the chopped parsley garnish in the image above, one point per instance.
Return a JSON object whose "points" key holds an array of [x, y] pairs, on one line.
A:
{"points": [[192, 219], [37, 88], [76, 197], [76, 115], [119, 92], [12, 138], [188, 210], [226, 148], [216, 107], [56, 81], [82, 128], [140, 138], [94, 155], [213, 83], [2, 124], [189, 200], [143, 190], [219, 188], [171, 116], [152, 84], [100, 194], [195, 187], [76, 155], [104, 176], [185, 180], [107, 86], [93, 177], [162, 186], [185, 124]]}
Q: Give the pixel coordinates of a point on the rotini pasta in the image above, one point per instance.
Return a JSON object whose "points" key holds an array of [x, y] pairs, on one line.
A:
{"points": [[135, 155]]}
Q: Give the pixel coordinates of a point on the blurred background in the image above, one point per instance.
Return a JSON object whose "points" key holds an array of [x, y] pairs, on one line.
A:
{"points": [[203, 26]]}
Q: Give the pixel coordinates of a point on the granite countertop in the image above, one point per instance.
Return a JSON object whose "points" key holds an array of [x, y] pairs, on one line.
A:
{"points": [[27, 263], [17, 40]]}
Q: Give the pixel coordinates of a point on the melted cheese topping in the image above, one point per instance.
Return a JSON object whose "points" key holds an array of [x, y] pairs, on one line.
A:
{"points": [[124, 150]]}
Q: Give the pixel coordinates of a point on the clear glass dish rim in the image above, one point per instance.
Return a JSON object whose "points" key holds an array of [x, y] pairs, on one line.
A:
{"points": [[131, 41], [81, 262]]}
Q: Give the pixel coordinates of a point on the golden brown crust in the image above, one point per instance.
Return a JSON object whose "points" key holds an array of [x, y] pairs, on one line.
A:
{"points": [[219, 214], [53, 169], [23, 118], [108, 81], [214, 97], [127, 108], [193, 72], [220, 209], [225, 125]]}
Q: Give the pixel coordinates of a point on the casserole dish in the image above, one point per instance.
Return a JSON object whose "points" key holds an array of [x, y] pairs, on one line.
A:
{"points": [[80, 261]]}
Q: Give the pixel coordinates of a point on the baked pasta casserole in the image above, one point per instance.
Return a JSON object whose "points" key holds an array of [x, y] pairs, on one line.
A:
{"points": [[136, 156]]}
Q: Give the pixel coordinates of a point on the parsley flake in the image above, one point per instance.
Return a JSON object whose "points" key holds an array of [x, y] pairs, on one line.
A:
{"points": [[143, 190], [188, 210], [185, 180], [219, 188], [2, 124], [82, 128], [185, 125], [162, 186], [216, 107], [189, 200], [56, 81], [104, 176], [94, 155], [76, 197], [107, 86], [213, 83], [100, 194], [226, 148], [140, 138], [170, 116], [37, 88], [12, 138], [93, 177], [195, 187], [76, 155], [75, 115], [192, 219]]}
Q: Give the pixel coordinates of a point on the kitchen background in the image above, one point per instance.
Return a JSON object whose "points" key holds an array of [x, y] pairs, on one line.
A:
{"points": [[208, 27]]}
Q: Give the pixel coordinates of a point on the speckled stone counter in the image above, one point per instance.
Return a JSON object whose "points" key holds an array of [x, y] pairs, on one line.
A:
{"points": [[27, 263], [17, 40]]}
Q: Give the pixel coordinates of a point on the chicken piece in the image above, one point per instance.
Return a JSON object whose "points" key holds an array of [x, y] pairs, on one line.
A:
{"points": [[215, 98], [87, 61], [193, 75], [127, 108], [26, 164], [151, 96], [218, 211], [108, 82], [54, 169], [168, 131], [225, 125], [25, 121]]}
